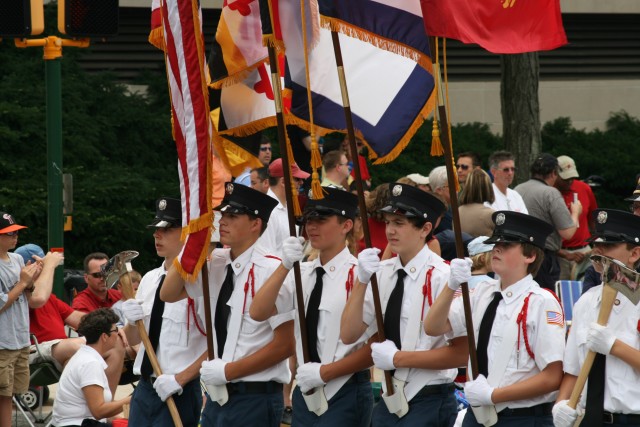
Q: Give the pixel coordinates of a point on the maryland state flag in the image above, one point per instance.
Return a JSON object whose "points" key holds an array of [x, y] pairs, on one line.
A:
{"points": [[499, 26], [387, 65]]}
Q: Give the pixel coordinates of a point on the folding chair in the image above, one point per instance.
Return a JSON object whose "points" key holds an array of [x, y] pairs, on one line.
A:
{"points": [[568, 291], [41, 374]]}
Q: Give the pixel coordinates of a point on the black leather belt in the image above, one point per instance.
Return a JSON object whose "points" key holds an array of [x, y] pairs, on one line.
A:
{"points": [[609, 418], [532, 411], [431, 390], [360, 377], [254, 387]]}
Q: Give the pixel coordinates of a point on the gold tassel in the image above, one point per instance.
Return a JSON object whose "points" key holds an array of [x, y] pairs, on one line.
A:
{"points": [[436, 145], [316, 188]]}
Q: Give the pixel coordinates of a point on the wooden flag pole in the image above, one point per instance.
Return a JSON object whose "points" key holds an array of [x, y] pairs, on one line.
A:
{"points": [[286, 166], [361, 202], [208, 323], [448, 159]]}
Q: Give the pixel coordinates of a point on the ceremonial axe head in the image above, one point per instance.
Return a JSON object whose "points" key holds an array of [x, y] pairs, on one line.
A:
{"points": [[620, 277], [117, 266]]}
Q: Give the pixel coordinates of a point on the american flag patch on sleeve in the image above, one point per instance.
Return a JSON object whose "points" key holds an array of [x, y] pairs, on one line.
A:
{"points": [[555, 318]]}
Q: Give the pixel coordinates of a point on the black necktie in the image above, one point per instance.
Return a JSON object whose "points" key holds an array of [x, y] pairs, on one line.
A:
{"points": [[223, 310], [485, 334], [595, 393], [155, 325], [313, 314], [392, 312]]}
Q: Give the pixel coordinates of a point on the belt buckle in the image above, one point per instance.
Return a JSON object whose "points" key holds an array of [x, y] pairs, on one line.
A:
{"points": [[607, 418]]}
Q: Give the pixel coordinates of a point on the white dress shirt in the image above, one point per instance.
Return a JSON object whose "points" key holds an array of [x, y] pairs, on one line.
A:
{"points": [[512, 201]]}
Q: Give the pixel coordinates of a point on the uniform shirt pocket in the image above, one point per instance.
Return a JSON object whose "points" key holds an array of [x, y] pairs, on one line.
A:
{"points": [[174, 324]]}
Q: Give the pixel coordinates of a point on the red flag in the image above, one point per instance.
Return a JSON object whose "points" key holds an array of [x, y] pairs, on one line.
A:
{"points": [[499, 26], [186, 72]]}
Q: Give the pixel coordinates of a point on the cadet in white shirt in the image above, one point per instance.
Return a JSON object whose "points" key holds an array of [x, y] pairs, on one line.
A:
{"points": [[176, 330], [336, 372], [519, 327], [251, 364], [409, 283], [612, 395]]}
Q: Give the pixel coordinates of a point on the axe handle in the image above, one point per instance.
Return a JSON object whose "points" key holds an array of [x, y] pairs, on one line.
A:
{"points": [[608, 299], [127, 291]]}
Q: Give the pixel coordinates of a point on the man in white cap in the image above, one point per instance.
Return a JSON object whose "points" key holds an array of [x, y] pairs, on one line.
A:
{"points": [[422, 182], [574, 254]]}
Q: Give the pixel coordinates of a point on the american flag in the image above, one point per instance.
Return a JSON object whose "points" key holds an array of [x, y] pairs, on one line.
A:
{"points": [[186, 73], [555, 318]]}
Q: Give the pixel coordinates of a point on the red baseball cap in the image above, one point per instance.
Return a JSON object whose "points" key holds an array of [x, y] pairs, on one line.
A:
{"points": [[8, 224], [276, 170]]}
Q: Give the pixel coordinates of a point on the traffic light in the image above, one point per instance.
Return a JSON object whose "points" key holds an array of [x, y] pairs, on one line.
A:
{"points": [[88, 18], [21, 18]]}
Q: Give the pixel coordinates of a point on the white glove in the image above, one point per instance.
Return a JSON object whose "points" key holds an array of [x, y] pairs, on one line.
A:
{"points": [[460, 272], [166, 385], [308, 376], [478, 392], [564, 415], [132, 310], [600, 338], [212, 372], [383, 353], [368, 264], [292, 251]]}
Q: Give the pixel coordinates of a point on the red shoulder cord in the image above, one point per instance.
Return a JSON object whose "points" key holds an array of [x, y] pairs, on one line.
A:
{"points": [[191, 308], [522, 322], [250, 283], [426, 289], [349, 283]]}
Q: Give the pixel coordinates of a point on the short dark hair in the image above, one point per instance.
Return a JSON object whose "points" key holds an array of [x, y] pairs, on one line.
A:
{"points": [[263, 172], [264, 140], [92, 256], [331, 160], [528, 250], [544, 164], [499, 156], [96, 323], [475, 159]]}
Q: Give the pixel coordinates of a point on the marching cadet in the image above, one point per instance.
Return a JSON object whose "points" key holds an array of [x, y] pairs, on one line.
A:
{"points": [[245, 379], [519, 327], [179, 352], [337, 373], [614, 398], [425, 366]]}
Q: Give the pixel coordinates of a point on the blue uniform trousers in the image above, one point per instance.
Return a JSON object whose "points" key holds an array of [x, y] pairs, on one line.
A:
{"points": [[350, 406], [433, 406], [148, 410], [246, 409], [540, 417]]}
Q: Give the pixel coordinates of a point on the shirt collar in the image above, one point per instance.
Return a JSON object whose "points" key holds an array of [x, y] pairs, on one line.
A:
{"points": [[333, 267], [417, 264], [242, 260], [515, 291]]}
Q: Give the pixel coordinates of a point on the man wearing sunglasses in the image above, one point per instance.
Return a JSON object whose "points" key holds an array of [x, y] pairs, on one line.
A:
{"points": [[97, 295], [503, 169], [467, 162]]}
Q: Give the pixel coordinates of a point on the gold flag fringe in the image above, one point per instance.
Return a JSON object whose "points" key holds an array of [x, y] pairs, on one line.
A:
{"points": [[156, 38]]}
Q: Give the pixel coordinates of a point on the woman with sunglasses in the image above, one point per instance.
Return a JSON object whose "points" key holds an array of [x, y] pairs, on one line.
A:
{"points": [[84, 397]]}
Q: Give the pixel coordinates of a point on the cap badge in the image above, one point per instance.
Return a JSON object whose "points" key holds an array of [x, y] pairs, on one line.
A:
{"points": [[602, 217], [397, 190], [162, 204], [500, 219], [229, 188], [8, 218]]}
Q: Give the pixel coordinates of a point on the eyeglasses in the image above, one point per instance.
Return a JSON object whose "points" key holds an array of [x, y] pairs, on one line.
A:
{"points": [[114, 330], [463, 167], [507, 170], [97, 275], [11, 233], [265, 148]]}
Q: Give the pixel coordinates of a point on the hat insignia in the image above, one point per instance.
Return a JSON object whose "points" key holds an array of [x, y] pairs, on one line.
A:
{"points": [[162, 205], [229, 188], [8, 218], [602, 217], [397, 190], [500, 219]]}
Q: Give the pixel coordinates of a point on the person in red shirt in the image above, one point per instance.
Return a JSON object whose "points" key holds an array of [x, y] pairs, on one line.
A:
{"points": [[97, 295], [574, 255]]}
